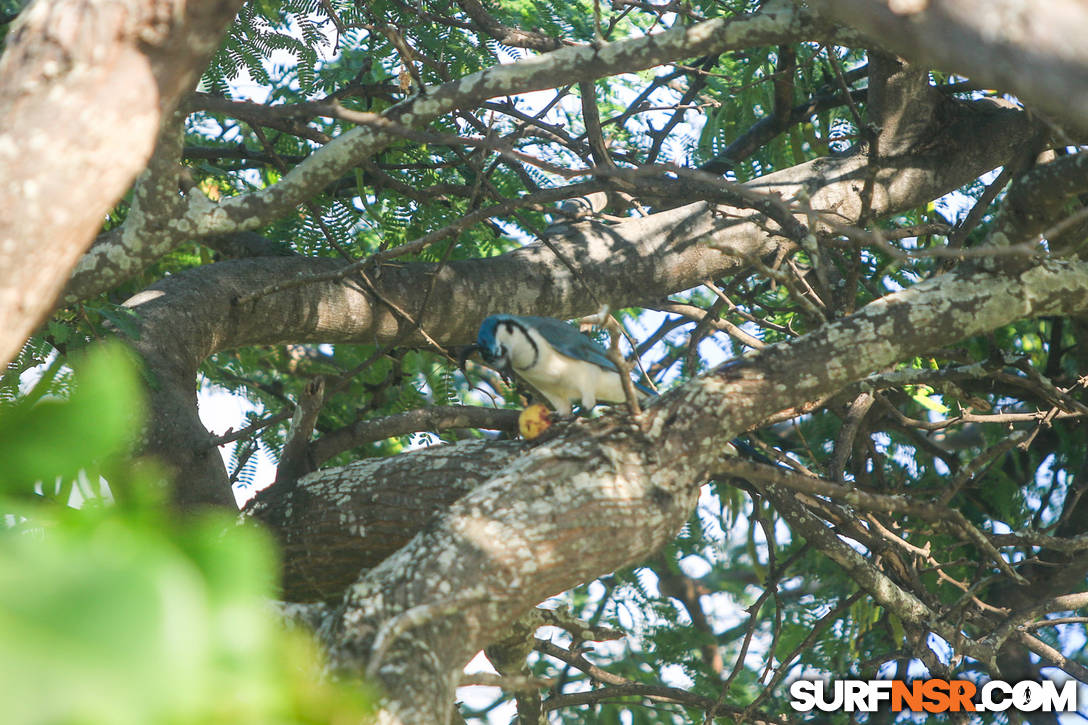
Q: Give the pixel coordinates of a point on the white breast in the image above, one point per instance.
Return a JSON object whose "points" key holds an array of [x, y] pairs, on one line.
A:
{"points": [[559, 378]]}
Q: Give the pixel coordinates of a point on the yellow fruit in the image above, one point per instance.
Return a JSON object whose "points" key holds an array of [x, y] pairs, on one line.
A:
{"points": [[533, 421]]}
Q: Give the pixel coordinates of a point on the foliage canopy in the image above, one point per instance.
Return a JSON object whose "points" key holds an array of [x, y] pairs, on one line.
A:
{"points": [[969, 451]]}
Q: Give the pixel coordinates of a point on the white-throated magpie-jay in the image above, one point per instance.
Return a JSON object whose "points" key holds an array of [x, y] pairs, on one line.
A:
{"points": [[558, 361]]}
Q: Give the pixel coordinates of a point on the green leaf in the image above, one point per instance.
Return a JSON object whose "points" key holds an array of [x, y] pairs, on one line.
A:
{"points": [[922, 395], [899, 633], [122, 318], [41, 441], [124, 620]]}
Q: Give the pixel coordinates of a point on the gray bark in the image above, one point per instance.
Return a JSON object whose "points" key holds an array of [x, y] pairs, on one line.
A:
{"points": [[1028, 49], [186, 317], [457, 542], [117, 258], [83, 90], [551, 518]]}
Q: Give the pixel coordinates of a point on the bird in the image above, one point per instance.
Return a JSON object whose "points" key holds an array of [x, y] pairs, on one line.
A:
{"points": [[563, 365], [558, 361]]}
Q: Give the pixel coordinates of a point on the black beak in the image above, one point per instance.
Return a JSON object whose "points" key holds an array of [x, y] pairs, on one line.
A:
{"points": [[464, 355], [505, 371]]}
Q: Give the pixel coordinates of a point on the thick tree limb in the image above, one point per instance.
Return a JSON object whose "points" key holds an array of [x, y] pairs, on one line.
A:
{"points": [[777, 22], [337, 522], [83, 86], [188, 316], [551, 518], [901, 103], [1036, 202], [1033, 50], [146, 234]]}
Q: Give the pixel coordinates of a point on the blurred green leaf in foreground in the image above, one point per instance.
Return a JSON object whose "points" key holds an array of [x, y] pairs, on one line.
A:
{"points": [[116, 613]]}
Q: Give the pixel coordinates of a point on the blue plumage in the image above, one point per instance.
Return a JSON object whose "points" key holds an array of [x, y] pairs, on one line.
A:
{"points": [[562, 364], [553, 357], [559, 335]]}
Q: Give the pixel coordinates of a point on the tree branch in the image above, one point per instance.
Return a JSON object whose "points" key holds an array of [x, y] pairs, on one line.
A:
{"points": [[85, 87], [188, 316], [421, 419], [606, 476], [777, 22], [1030, 52]]}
